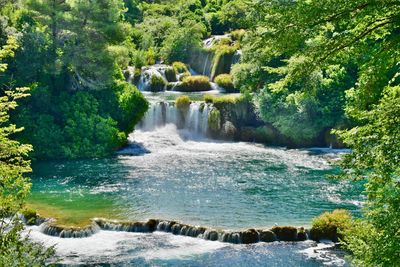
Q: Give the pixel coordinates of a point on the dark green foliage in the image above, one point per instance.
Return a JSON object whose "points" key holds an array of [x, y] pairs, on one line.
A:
{"points": [[72, 56], [86, 133], [357, 42], [179, 43], [81, 124], [14, 165], [134, 13]]}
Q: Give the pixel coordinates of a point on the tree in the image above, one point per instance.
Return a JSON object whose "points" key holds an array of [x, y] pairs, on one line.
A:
{"points": [[14, 185], [315, 35]]}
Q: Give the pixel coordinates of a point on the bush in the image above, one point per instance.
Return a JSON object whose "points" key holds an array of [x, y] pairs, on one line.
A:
{"points": [[194, 84], [181, 41], [209, 98], [183, 103], [225, 81], [131, 106], [180, 67], [88, 134], [157, 83], [330, 224], [170, 74], [184, 75], [237, 35]]}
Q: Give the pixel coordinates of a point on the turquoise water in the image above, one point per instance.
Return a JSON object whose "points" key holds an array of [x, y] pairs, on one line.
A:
{"points": [[208, 183], [196, 181]]}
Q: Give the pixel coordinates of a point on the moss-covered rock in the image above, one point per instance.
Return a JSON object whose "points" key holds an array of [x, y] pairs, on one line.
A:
{"points": [[194, 84], [183, 103], [267, 236], [249, 236], [228, 130], [285, 233], [222, 60], [152, 225], [225, 81], [264, 134], [157, 84], [301, 234], [214, 120], [30, 216], [211, 235], [170, 74], [179, 67]]}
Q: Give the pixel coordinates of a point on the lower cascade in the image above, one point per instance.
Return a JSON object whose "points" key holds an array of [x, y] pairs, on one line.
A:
{"points": [[193, 119], [249, 236]]}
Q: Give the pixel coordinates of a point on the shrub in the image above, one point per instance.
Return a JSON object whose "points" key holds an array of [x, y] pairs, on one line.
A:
{"points": [[194, 84], [225, 81], [227, 99], [330, 224], [150, 56], [131, 106], [170, 74], [184, 75], [88, 134], [209, 98], [179, 67], [237, 35], [180, 42], [183, 103], [157, 83]]}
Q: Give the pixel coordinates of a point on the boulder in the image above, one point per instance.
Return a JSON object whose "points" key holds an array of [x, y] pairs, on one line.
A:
{"points": [[302, 235], [249, 236], [285, 233], [267, 236]]}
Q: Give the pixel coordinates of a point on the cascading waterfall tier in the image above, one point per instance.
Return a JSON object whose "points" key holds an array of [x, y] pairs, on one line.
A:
{"points": [[50, 228], [194, 119], [248, 236], [147, 73]]}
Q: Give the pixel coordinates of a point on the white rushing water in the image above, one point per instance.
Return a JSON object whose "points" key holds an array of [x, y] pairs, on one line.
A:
{"points": [[164, 249], [194, 120]]}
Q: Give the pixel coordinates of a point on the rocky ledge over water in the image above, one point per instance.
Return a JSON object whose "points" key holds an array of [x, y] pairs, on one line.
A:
{"points": [[247, 236]]}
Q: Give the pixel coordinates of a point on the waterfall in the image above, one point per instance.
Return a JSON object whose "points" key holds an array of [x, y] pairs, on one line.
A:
{"points": [[206, 64], [159, 71], [129, 74], [194, 120], [249, 236], [236, 57]]}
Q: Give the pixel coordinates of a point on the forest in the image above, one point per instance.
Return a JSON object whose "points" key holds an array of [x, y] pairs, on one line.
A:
{"points": [[312, 72]]}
